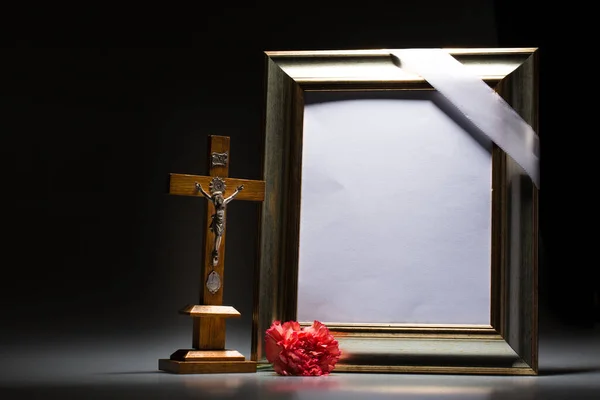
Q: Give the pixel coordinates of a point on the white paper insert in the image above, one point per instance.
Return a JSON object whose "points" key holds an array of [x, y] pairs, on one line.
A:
{"points": [[395, 212]]}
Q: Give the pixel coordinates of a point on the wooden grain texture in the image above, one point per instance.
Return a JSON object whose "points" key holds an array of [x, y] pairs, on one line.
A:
{"points": [[184, 185], [210, 311], [207, 355], [206, 367], [209, 334]]}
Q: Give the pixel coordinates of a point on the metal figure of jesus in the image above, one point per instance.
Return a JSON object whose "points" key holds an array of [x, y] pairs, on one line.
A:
{"points": [[217, 225]]}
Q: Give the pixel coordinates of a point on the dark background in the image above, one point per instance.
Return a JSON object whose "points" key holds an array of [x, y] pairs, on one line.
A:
{"points": [[99, 106]]}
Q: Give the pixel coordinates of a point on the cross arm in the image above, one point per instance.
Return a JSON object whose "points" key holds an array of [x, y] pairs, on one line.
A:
{"points": [[185, 185]]}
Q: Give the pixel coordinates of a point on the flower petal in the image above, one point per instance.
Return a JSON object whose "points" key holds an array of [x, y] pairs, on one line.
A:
{"points": [[310, 351]]}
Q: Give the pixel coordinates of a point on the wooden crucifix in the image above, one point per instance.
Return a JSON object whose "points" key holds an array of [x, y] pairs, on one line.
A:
{"points": [[208, 353]]}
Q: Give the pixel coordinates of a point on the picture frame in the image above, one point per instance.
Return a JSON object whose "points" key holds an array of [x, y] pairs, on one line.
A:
{"points": [[508, 344]]}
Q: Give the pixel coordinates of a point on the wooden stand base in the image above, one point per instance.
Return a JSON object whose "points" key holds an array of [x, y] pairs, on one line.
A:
{"points": [[208, 355], [206, 367], [190, 361]]}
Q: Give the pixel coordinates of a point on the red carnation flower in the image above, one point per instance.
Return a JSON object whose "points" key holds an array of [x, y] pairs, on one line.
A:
{"points": [[294, 351]]}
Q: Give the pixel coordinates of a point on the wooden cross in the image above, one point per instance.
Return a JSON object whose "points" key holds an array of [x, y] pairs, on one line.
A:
{"points": [[208, 354]]}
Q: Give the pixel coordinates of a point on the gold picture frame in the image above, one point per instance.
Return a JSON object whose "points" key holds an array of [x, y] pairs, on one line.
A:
{"points": [[509, 344]]}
